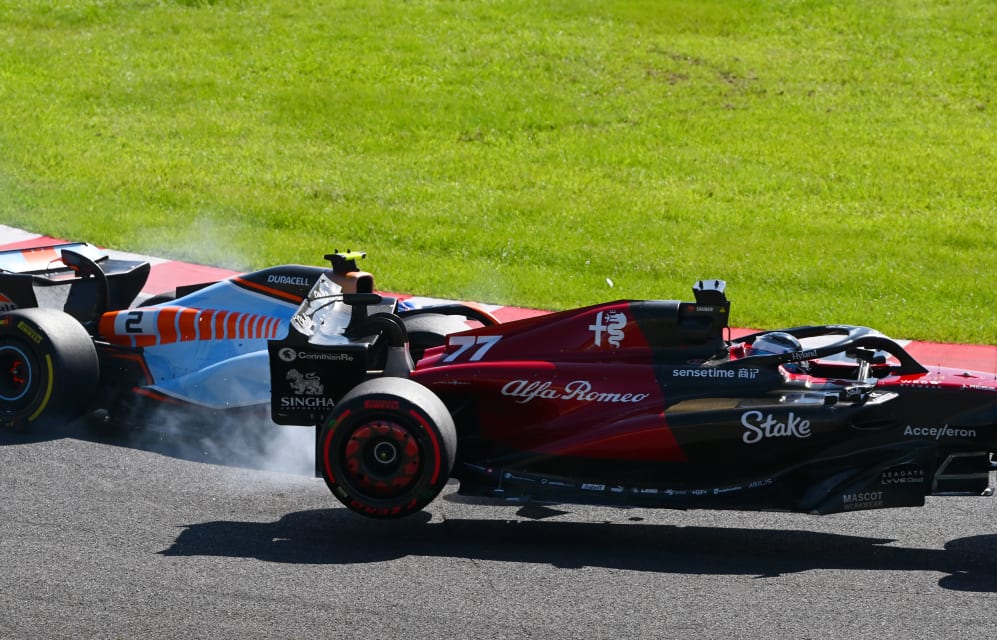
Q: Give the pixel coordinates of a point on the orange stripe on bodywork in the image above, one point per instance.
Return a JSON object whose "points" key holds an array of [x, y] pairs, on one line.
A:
{"points": [[105, 329], [232, 326], [187, 323], [270, 291], [204, 324], [166, 325], [258, 326], [181, 324], [219, 325], [145, 341]]}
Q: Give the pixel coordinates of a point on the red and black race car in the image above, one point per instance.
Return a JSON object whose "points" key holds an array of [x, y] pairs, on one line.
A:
{"points": [[645, 403], [637, 403]]}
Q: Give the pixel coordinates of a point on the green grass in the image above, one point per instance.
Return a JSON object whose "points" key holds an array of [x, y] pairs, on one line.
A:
{"points": [[833, 161]]}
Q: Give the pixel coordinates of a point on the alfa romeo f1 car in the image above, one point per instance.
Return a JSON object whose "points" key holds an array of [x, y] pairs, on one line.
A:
{"points": [[630, 403], [73, 341]]}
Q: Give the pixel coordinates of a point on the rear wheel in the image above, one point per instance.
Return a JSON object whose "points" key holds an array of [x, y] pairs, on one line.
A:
{"points": [[427, 330], [161, 298], [48, 368], [388, 447]]}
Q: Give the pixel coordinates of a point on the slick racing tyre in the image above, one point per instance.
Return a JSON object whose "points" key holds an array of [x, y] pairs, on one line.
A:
{"points": [[427, 330], [388, 447], [48, 368], [160, 298]]}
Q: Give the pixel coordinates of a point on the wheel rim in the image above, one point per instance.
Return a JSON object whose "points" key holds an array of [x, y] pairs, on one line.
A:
{"points": [[382, 459], [15, 374]]}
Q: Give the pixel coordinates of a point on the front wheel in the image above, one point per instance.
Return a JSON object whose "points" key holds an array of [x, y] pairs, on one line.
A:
{"points": [[388, 447], [48, 368]]}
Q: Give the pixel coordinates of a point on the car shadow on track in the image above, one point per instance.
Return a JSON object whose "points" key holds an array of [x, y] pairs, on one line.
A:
{"points": [[337, 536]]}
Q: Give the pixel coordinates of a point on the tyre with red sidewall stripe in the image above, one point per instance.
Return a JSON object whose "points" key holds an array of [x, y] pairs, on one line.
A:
{"points": [[387, 449], [48, 368]]}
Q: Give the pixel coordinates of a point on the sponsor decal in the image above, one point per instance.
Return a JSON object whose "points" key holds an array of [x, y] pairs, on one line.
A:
{"points": [[318, 355], [705, 308], [390, 405], [593, 487], [558, 483], [864, 500], [307, 384], [298, 281], [28, 331], [580, 390], [288, 354], [704, 373], [910, 475], [612, 323], [723, 490], [967, 387], [307, 402], [759, 426], [803, 355], [6, 304], [938, 433], [922, 384]]}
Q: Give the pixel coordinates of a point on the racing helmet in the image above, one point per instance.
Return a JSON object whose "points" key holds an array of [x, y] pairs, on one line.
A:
{"points": [[779, 342]]}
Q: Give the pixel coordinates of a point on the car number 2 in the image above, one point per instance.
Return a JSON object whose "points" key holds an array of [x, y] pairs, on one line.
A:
{"points": [[135, 322]]}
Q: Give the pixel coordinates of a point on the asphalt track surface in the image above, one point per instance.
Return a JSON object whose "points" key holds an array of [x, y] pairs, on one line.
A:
{"points": [[168, 535]]}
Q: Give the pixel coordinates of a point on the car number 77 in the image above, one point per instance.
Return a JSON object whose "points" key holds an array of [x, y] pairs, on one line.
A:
{"points": [[465, 343]]}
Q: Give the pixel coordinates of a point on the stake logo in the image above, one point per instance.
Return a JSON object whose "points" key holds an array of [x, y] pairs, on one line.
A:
{"points": [[759, 427]]}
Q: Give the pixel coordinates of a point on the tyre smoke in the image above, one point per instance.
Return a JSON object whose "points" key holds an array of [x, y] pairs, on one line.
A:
{"points": [[243, 437]]}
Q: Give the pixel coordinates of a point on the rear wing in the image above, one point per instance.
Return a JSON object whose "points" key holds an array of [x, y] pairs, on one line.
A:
{"points": [[81, 279], [47, 259]]}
